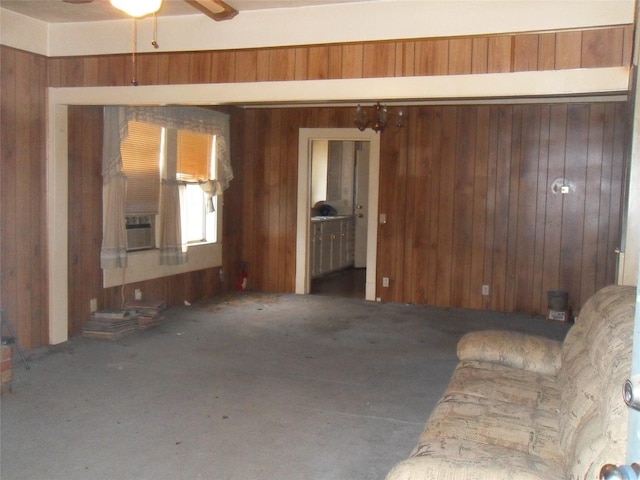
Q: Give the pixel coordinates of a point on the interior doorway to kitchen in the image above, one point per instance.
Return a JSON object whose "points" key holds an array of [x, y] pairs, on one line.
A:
{"points": [[341, 212], [339, 203]]}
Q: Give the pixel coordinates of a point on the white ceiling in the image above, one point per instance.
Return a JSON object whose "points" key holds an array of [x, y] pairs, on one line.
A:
{"points": [[57, 11]]}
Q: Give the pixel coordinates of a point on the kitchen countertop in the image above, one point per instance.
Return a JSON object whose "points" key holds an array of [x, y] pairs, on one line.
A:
{"points": [[327, 218]]}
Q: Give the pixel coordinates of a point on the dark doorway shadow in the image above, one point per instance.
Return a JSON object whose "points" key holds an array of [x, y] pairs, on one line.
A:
{"points": [[349, 283]]}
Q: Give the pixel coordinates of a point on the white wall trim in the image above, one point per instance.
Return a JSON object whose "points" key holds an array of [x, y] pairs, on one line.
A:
{"points": [[57, 220]]}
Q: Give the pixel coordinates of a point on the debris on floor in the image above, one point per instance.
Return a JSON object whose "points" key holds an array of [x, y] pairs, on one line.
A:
{"points": [[148, 312], [110, 324]]}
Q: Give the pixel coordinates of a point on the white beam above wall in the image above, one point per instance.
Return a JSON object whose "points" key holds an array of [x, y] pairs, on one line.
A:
{"points": [[450, 88]]}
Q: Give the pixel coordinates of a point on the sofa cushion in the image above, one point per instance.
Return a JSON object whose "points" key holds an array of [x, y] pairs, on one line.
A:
{"points": [[596, 359], [515, 349], [577, 401], [505, 384], [609, 330], [484, 421], [614, 413], [589, 451], [456, 459]]}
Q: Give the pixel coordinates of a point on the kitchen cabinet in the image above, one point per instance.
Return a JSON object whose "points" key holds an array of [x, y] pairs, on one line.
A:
{"points": [[332, 244]]}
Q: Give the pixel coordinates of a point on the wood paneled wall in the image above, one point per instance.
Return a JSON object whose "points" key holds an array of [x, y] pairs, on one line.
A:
{"points": [[263, 193], [468, 199], [23, 259], [603, 47], [85, 213]]}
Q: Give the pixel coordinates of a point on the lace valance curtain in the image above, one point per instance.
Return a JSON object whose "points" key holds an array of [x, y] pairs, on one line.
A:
{"points": [[200, 120]]}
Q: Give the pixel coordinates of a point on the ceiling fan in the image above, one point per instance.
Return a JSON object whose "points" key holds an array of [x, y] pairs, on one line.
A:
{"points": [[216, 9]]}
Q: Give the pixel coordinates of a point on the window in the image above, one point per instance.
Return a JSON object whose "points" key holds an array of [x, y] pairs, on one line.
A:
{"points": [[199, 223], [186, 156], [167, 163], [196, 163]]}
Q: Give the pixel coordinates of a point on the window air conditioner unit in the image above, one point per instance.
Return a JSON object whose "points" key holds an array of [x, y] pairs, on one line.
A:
{"points": [[140, 233]]}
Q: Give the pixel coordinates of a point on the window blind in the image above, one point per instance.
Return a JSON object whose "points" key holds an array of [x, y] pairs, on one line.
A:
{"points": [[140, 163], [141, 153], [194, 156]]}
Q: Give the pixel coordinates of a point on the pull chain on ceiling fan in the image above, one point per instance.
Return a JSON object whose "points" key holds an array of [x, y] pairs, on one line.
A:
{"points": [[216, 9]]}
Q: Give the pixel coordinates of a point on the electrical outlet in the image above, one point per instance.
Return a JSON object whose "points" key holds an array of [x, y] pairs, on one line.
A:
{"points": [[93, 305], [137, 294], [485, 290], [385, 281]]}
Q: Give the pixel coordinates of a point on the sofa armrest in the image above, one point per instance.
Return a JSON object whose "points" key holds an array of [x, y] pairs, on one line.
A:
{"points": [[512, 349]]}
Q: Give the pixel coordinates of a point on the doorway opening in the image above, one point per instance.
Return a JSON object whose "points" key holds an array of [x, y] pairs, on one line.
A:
{"points": [[339, 202], [337, 212]]}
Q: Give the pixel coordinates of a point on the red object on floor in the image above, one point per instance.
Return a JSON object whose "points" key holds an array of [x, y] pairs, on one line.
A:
{"points": [[243, 275]]}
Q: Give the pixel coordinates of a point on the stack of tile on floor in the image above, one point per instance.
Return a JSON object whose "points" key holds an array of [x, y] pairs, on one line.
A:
{"points": [[110, 324], [148, 312]]}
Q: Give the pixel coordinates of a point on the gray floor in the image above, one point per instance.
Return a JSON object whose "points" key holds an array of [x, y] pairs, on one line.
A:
{"points": [[254, 387]]}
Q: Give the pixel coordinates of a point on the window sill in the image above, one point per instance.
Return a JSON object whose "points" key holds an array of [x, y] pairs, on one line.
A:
{"points": [[198, 244], [145, 265]]}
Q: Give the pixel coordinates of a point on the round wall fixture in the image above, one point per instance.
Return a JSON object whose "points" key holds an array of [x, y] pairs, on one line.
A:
{"points": [[561, 186]]}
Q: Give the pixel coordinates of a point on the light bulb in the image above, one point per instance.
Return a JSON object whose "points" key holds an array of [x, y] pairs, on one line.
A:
{"points": [[137, 8]]}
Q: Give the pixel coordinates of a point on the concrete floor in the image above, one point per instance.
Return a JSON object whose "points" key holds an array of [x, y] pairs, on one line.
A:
{"points": [[254, 386]]}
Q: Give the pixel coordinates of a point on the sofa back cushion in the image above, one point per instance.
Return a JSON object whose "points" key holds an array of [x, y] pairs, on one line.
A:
{"points": [[596, 360], [611, 354]]}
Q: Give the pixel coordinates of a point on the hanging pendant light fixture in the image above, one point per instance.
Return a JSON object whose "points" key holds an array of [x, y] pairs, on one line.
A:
{"points": [[137, 8], [380, 120]]}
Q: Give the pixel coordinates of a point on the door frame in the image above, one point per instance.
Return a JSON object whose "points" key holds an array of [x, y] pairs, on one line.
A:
{"points": [[361, 198], [303, 224]]}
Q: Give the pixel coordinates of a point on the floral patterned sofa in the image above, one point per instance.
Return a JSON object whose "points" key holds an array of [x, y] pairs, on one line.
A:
{"points": [[520, 406]]}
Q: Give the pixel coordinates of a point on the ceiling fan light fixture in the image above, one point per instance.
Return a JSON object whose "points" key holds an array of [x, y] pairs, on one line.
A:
{"points": [[137, 8]]}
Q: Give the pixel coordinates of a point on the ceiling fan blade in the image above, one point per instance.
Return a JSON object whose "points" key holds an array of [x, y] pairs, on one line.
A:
{"points": [[216, 9]]}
